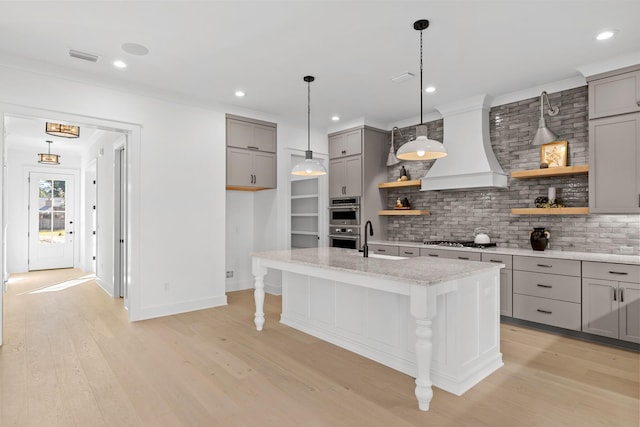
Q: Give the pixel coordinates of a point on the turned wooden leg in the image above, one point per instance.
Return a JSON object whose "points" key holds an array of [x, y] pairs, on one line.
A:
{"points": [[424, 349], [258, 295]]}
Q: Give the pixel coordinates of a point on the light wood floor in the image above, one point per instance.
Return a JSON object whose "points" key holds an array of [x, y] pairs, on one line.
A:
{"points": [[70, 357]]}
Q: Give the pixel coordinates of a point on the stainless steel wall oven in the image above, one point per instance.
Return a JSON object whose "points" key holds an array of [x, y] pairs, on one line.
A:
{"points": [[344, 236], [344, 211]]}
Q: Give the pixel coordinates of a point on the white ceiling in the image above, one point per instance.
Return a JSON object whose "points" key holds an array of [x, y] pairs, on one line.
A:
{"points": [[202, 52]]}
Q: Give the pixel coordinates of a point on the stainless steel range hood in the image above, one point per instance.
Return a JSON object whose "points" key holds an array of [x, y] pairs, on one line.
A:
{"points": [[470, 162]]}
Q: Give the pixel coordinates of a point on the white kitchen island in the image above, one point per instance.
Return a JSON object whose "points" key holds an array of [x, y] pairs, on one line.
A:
{"points": [[436, 320]]}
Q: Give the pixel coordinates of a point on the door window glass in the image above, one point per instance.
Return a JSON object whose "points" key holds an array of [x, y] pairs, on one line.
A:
{"points": [[52, 211]]}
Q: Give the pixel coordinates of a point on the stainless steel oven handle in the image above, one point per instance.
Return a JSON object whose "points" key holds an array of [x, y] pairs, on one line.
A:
{"points": [[343, 236], [345, 207]]}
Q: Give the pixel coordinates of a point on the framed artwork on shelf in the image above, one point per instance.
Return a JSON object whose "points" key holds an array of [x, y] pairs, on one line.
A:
{"points": [[554, 154]]}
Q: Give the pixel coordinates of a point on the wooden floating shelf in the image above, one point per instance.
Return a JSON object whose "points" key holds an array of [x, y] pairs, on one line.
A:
{"points": [[550, 211], [396, 184], [559, 171], [404, 212]]}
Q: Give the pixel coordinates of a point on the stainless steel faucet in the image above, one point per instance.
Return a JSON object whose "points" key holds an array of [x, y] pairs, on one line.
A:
{"points": [[365, 248]]}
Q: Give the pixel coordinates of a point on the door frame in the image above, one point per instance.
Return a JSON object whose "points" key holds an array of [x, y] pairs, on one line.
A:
{"points": [[133, 196], [78, 223]]}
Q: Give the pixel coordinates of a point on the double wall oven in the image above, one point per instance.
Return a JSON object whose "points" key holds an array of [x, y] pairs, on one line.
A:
{"points": [[344, 222]]}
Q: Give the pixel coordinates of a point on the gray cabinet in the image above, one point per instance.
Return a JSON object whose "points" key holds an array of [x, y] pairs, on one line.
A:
{"points": [[614, 142], [345, 176], [614, 164], [547, 291], [611, 300], [615, 94], [251, 154], [345, 144], [248, 169], [384, 249], [506, 281], [451, 254]]}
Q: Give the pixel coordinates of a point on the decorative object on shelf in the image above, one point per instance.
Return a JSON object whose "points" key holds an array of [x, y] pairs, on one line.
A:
{"points": [[554, 154], [539, 238], [392, 159], [405, 203], [421, 148], [543, 134], [398, 203], [544, 202], [541, 201], [544, 165], [65, 131], [403, 175], [309, 167], [48, 158], [552, 194]]}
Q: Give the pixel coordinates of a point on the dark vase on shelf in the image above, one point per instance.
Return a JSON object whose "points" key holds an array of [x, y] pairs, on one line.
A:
{"points": [[539, 239]]}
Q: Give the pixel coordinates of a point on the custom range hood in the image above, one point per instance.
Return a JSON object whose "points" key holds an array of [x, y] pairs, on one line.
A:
{"points": [[471, 162]]}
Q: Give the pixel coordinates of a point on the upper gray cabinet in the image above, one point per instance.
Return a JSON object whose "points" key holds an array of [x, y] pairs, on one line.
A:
{"points": [[614, 142], [345, 144], [615, 94], [251, 154]]}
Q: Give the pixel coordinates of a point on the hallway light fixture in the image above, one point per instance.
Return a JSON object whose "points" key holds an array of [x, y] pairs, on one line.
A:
{"points": [[48, 158], [309, 167], [421, 148], [543, 134], [65, 131]]}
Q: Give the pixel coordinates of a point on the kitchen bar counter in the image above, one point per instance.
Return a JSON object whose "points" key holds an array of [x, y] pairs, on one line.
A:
{"points": [[550, 253], [435, 320]]}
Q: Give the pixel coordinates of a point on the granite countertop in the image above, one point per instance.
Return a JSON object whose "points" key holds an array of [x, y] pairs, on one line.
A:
{"points": [[415, 270], [580, 256]]}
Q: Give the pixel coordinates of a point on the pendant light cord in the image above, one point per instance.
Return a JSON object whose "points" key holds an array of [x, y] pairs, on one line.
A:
{"points": [[421, 117], [309, 116]]}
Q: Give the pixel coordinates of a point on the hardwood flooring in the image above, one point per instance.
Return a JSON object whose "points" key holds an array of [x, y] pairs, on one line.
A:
{"points": [[71, 358]]}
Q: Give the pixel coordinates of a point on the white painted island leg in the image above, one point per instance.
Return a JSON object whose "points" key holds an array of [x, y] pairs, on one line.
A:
{"points": [[423, 308], [258, 295]]}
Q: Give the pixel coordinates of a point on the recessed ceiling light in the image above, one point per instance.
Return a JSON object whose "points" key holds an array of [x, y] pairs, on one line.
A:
{"points": [[335, 118], [119, 64], [135, 49], [605, 35], [430, 89], [239, 93]]}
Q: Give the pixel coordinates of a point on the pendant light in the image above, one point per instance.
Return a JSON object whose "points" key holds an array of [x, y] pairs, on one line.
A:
{"points": [[65, 131], [48, 158], [421, 148], [543, 134], [392, 159], [309, 167]]}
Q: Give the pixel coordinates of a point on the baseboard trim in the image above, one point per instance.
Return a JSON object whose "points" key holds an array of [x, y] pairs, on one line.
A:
{"points": [[182, 307]]}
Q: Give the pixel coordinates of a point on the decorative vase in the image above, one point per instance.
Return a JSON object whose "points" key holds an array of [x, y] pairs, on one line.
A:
{"points": [[539, 239]]}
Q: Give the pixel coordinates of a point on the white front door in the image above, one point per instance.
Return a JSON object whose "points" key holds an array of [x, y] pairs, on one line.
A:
{"points": [[51, 220]]}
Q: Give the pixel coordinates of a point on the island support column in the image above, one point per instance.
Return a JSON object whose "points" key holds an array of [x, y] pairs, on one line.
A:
{"points": [[423, 308], [258, 295]]}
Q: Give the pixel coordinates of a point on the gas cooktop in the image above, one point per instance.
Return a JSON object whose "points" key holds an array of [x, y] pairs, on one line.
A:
{"points": [[459, 244]]}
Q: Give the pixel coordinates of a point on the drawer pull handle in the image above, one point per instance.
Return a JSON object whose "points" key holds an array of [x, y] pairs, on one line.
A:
{"points": [[382, 250], [544, 286], [251, 147], [620, 273], [621, 294], [408, 253], [614, 294], [495, 260], [544, 311], [463, 257], [545, 265], [436, 255]]}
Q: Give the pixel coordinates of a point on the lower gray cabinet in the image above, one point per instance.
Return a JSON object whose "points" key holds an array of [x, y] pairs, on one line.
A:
{"points": [[383, 249], [611, 300]]}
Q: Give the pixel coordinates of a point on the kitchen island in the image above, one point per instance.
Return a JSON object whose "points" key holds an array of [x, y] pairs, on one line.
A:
{"points": [[433, 319]]}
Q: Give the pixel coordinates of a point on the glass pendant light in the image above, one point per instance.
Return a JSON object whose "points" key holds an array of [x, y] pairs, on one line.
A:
{"points": [[48, 158], [59, 129], [421, 148], [309, 167]]}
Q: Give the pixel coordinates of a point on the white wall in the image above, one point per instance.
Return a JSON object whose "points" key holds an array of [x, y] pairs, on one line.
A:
{"points": [[178, 248]]}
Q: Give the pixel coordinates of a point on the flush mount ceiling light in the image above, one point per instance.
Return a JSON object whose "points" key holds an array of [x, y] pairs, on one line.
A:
{"points": [[48, 158], [421, 148], [543, 134], [309, 167], [65, 131]]}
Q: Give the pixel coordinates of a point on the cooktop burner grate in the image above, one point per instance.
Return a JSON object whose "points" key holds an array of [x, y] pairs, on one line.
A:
{"points": [[459, 244]]}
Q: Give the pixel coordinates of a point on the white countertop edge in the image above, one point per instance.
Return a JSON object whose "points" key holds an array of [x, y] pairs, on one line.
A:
{"points": [[580, 256]]}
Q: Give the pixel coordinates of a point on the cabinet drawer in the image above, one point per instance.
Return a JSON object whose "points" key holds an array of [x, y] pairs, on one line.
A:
{"points": [[548, 311], [507, 260], [611, 271], [384, 249], [547, 286], [547, 265], [409, 251], [451, 254]]}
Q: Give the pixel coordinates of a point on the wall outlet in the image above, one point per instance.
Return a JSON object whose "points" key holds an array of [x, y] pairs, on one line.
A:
{"points": [[229, 274]]}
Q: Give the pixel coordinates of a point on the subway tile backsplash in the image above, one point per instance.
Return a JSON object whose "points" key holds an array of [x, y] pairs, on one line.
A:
{"points": [[455, 214]]}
